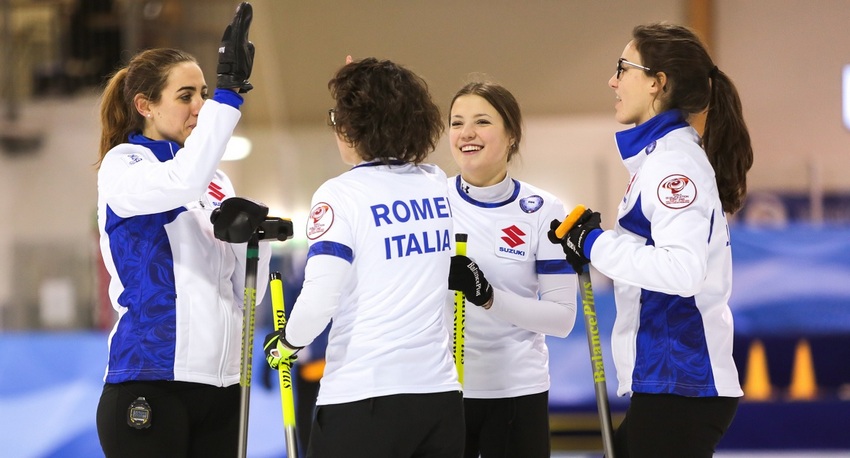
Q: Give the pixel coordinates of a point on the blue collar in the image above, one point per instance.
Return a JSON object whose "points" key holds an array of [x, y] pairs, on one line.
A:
{"points": [[632, 141], [164, 150], [378, 162]]}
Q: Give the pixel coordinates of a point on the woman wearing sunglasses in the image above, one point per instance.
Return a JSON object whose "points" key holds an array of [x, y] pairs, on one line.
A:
{"points": [[669, 253]]}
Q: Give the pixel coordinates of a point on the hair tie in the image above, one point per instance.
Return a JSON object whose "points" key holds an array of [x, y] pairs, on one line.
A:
{"points": [[713, 72]]}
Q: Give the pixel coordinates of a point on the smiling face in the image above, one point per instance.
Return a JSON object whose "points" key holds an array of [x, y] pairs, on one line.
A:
{"points": [[175, 115], [479, 141], [636, 91]]}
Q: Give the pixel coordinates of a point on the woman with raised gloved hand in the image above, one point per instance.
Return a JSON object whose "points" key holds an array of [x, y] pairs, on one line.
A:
{"points": [[172, 377], [520, 285], [669, 254]]}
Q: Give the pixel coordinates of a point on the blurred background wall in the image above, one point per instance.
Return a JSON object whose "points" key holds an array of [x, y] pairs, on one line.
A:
{"points": [[785, 56]]}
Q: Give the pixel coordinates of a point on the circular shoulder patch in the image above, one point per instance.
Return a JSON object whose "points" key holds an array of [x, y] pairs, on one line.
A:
{"points": [[321, 219], [651, 147], [677, 191], [531, 204]]}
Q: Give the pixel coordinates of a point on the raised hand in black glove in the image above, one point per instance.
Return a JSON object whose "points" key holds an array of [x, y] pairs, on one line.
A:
{"points": [[236, 53], [575, 242], [466, 277]]}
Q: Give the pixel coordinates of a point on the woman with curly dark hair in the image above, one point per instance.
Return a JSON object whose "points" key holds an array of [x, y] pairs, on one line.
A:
{"points": [[379, 254]]}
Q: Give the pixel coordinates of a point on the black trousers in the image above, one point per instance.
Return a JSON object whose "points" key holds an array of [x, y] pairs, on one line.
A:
{"points": [[670, 426], [396, 426], [187, 420], [507, 428]]}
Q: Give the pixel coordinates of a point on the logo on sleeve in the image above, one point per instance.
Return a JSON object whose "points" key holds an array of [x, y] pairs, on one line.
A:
{"points": [[513, 241], [132, 159], [677, 191], [321, 219], [531, 204]]}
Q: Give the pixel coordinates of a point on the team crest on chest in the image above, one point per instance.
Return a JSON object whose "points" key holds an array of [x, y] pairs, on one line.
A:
{"points": [[512, 240], [677, 191], [321, 219], [531, 204]]}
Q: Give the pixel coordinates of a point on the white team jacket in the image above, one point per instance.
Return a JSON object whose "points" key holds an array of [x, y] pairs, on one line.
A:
{"points": [[534, 288], [671, 262], [378, 266], [177, 289]]}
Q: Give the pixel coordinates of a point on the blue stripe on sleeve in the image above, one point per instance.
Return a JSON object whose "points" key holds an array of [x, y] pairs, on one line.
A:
{"points": [[331, 248], [554, 266]]}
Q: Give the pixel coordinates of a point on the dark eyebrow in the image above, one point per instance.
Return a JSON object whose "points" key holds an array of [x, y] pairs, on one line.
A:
{"points": [[189, 88], [478, 115]]}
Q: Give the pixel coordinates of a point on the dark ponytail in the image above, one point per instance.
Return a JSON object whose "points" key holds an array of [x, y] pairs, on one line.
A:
{"points": [[695, 84], [727, 142]]}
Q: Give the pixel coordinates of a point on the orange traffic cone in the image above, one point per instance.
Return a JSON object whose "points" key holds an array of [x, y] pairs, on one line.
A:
{"points": [[803, 386], [757, 386]]}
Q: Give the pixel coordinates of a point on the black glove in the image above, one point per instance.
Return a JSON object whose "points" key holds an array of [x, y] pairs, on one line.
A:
{"points": [[278, 350], [574, 241], [236, 53], [237, 218], [466, 277]]}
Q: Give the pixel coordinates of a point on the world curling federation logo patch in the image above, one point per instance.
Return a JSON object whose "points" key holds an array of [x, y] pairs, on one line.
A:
{"points": [[677, 191], [321, 219], [531, 204]]}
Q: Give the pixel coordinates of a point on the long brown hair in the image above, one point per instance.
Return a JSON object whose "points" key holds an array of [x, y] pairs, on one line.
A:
{"points": [[146, 74], [694, 83]]}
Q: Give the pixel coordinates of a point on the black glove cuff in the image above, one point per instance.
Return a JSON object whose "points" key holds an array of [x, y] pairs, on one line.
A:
{"points": [[286, 342], [483, 299]]}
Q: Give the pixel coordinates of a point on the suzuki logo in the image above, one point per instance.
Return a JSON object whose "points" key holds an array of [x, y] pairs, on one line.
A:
{"points": [[513, 236], [215, 191]]}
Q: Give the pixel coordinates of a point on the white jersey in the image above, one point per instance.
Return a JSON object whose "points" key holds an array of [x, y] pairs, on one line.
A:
{"points": [[380, 245], [177, 289], [534, 286], [671, 262]]}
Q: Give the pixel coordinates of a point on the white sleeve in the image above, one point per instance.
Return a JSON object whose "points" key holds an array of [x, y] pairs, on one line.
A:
{"points": [[553, 314], [137, 186], [677, 261], [319, 298]]}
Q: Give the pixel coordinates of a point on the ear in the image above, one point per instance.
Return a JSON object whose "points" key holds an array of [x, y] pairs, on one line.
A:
{"points": [[659, 83], [142, 104]]}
